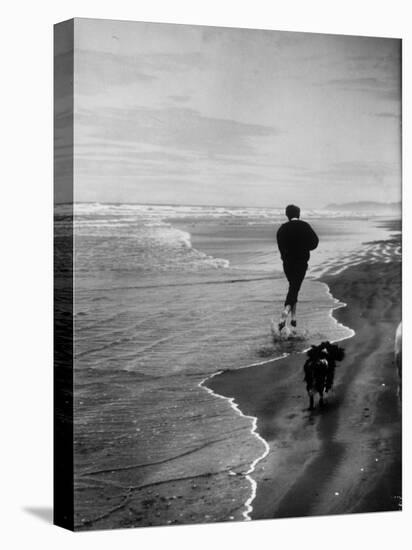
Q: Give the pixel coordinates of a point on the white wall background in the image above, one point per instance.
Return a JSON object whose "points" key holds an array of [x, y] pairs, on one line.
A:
{"points": [[27, 284]]}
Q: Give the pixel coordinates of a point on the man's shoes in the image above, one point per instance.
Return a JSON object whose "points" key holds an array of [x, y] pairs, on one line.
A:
{"points": [[285, 312], [283, 318]]}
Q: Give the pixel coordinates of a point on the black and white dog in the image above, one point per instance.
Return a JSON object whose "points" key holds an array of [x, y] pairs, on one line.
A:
{"points": [[319, 369]]}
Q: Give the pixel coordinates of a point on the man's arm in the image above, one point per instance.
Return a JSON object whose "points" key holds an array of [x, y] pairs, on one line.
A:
{"points": [[312, 238], [280, 240]]}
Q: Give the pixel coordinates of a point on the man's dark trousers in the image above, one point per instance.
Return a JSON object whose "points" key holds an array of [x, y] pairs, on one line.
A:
{"points": [[295, 273]]}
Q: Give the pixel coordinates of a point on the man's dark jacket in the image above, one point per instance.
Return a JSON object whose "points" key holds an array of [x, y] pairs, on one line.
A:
{"points": [[295, 240]]}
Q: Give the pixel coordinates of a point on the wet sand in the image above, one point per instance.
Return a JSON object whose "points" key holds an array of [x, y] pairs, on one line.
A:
{"points": [[345, 458]]}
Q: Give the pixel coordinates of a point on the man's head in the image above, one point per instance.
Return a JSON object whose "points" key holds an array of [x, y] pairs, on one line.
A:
{"points": [[292, 211]]}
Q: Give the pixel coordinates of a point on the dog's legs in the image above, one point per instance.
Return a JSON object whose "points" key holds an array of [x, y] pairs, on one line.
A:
{"points": [[311, 400], [321, 403]]}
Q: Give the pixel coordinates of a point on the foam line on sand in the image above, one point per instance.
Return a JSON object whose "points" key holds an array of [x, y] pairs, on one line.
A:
{"points": [[338, 304], [248, 504]]}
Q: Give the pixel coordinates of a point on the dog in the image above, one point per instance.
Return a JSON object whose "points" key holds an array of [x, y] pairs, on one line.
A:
{"points": [[319, 370]]}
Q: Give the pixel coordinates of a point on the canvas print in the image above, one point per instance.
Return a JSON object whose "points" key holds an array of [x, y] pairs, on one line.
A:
{"points": [[227, 274]]}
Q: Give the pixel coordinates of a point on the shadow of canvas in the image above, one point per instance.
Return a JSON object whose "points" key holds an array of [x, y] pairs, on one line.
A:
{"points": [[43, 513]]}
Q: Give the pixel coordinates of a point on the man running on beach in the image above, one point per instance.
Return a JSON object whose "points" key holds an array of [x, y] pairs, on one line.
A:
{"points": [[295, 240]]}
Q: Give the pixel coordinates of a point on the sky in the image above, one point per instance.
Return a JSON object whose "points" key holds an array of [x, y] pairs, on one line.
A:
{"points": [[176, 114]]}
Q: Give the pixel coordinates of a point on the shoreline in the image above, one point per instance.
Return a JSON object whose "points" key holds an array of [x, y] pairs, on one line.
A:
{"points": [[315, 476], [248, 504]]}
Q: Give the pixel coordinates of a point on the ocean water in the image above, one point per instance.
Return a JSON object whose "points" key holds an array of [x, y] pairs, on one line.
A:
{"points": [[165, 296]]}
